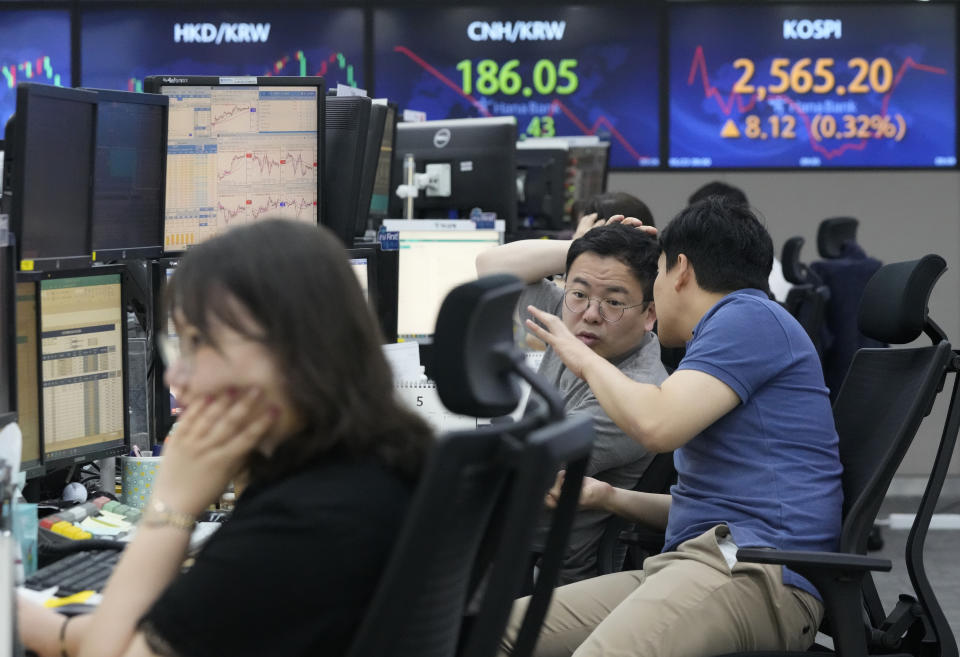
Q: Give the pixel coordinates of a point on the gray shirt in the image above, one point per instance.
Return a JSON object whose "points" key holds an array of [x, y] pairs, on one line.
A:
{"points": [[616, 458]]}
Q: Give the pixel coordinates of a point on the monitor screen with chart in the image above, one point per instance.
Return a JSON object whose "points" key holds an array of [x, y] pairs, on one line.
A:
{"points": [[240, 150]]}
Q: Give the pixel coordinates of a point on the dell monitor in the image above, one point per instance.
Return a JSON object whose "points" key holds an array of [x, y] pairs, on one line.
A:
{"points": [[240, 149], [128, 190], [82, 376], [347, 125], [477, 157], [28, 374], [383, 184], [8, 338], [542, 185], [371, 158], [50, 154]]}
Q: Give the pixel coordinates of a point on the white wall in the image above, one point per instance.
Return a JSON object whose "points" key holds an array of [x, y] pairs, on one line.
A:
{"points": [[903, 215]]}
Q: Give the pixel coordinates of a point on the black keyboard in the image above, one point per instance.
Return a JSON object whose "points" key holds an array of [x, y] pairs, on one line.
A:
{"points": [[80, 571]]}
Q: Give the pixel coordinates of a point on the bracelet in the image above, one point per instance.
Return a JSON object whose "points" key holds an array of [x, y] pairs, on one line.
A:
{"points": [[63, 636], [160, 515]]}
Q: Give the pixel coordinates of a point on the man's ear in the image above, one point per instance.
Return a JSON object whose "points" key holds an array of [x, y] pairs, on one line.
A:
{"points": [[651, 317], [685, 274]]}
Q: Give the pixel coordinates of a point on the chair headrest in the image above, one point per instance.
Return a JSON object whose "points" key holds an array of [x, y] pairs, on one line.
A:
{"points": [[793, 271], [472, 345], [832, 233], [893, 308]]}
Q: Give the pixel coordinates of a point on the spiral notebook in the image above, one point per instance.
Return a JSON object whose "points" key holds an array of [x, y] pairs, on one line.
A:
{"points": [[422, 397]]}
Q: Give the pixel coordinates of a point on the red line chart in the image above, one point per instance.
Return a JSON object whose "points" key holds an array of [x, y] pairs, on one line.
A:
{"points": [[555, 105], [699, 64]]}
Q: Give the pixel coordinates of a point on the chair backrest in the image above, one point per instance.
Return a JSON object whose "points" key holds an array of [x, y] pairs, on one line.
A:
{"points": [[884, 398], [419, 603], [807, 299], [563, 443], [832, 233], [887, 392]]}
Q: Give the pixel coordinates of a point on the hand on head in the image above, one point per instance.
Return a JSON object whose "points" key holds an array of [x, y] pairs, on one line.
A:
{"points": [[590, 221]]}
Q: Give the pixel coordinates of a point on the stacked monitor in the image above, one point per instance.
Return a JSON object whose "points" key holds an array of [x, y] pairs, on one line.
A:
{"points": [[347, 125], [239, 150], [542, 172], [128, 190], [479, 158], [50, 153], [85, 175], [435, 257], [72, 347], [371, 160], [383, 184]]}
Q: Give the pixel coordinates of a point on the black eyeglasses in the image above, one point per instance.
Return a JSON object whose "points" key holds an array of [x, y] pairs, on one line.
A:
{"points": [[611, 310]]}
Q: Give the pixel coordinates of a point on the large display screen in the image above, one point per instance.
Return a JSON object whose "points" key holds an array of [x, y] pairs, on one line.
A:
{"points": [[827, 85], [34, 47], [119, 47], [560, 71]]}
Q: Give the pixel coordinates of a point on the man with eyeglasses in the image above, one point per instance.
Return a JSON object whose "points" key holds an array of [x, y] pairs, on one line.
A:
{"points": [[607, 302]]}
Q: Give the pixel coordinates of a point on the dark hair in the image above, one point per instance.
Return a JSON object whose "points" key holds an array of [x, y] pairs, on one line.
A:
{"points": [[295, 281], [732, 194], [609, 204], [725, 243], [636, 249]]}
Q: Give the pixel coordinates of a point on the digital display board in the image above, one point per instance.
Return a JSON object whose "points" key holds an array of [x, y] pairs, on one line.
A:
{"points": [[34, 47], [560, 71], [838, 85], [120, 47]]}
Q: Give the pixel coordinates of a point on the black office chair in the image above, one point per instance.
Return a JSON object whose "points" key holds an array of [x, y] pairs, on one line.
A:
{"points": [[421, 599], [832, 233], [807, 299], [884, 398], [623, 540]]}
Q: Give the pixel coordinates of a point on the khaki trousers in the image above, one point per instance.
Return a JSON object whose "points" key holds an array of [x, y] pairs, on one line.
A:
{"points": [[686, 603]]}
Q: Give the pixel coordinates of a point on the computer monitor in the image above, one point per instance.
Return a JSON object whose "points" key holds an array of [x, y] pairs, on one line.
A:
{"points": [[588, 164], [8, 338], [50, 154], [477, 155], [240, 149], [165, 404], [83, 365], [371, 158], [126, 216], [347, 124], [383, 184], [363, 263], [28, 375], [542, 182], [435, 257]]}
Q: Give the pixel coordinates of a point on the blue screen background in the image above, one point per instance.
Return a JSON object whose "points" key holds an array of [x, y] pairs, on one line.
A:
{"points": [[38, 40], [705, 40], [121, 47], [416, 54]]}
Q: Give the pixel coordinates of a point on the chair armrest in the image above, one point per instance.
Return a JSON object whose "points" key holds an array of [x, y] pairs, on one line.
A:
{"points": [[824, 561], [839, 579]]}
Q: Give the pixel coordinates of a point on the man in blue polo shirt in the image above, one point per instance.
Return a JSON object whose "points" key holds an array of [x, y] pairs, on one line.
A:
{"points": [[756, 453]]}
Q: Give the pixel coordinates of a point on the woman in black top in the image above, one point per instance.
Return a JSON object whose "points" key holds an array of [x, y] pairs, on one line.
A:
{"points": [[283, 381]]}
